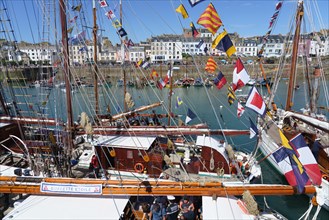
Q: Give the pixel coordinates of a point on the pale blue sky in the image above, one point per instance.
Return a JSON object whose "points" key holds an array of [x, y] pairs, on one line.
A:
{"points": [[145, 18]]}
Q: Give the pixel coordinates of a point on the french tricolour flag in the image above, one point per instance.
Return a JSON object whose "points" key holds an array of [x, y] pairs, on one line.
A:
{"points": [[240, 75], [307, 159], [256, 102]]}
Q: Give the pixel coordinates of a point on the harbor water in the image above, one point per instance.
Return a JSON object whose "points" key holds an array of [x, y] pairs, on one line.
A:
{"points": [[208, 103]]}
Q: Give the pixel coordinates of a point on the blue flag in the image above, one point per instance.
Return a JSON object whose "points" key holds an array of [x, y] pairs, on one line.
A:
{"points": [[200, 44], [178, 102], [190, 115], [253, 129], [194, 2], [295, 175]]}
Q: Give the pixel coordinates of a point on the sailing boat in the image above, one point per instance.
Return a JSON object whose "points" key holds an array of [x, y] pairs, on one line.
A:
{"points": [[285, 126], [216, 157]]}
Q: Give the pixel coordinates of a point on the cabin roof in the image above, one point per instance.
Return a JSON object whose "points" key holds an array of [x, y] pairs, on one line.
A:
{"points": [[225, 208], [143, 143], [212, 143], [68, 207]]}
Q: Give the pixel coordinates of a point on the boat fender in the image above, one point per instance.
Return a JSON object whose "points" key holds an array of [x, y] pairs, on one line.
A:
{"points": [[112, 153], [146, 158], [220, 172], [212, 164], [139, 167]]}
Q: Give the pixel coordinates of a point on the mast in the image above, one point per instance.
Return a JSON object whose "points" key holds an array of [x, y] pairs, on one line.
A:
{"points": [[125, 107], [300, 13], [67, 74], [95, 28], [170, 92]]}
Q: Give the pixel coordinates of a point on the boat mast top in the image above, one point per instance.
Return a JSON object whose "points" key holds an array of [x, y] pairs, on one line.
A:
{"points": [[299, 16]]}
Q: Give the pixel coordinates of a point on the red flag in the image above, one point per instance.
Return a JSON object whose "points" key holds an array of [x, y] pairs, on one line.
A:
{"points": [[240, 109]]}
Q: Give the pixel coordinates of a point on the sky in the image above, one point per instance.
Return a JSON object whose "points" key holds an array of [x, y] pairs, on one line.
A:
{"points": [[145, 18]]}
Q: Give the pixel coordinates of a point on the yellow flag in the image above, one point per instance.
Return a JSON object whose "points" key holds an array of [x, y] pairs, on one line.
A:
{"points": [[181, 9], [285, 143]]}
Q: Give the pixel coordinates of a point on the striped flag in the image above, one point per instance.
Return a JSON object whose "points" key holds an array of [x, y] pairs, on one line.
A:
{"points": [[230, 95], [210, 19], [211, 65]]}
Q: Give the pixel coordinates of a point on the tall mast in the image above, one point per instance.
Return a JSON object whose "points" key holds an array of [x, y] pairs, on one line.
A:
{"points": [[170, 93], [125, 107], [67, 74], [300, 13], [95, 28]]}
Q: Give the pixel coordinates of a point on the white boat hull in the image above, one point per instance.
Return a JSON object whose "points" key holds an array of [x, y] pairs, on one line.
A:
{"points": [[267, 146]]}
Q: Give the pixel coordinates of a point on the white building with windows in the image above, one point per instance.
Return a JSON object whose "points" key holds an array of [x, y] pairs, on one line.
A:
{"points": [[38, 53], [246, 47], [274, 47], [136, 53], [166, 48], [319, 46]]}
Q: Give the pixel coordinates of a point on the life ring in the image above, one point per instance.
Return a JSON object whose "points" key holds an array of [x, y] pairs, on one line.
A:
{"points": [[139, 167], [325, 176]]}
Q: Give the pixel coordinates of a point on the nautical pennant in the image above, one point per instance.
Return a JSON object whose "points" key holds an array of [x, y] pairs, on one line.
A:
{"points": [[73, 19], [195, 32], [240, 75], [220, 80], [110, 14], [102, 3], [194, 2], [181, 9], [122, 32], [240, 110], [154, 74], [116, 23], [179, 102], [161, 84], [290, 165], [201, 42], [255, 102], [223, 43], [306, 158], [230, 95], [129, 43], [211, 65], [77, 8], [253, 129], [210, 19], [189, 116]]}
